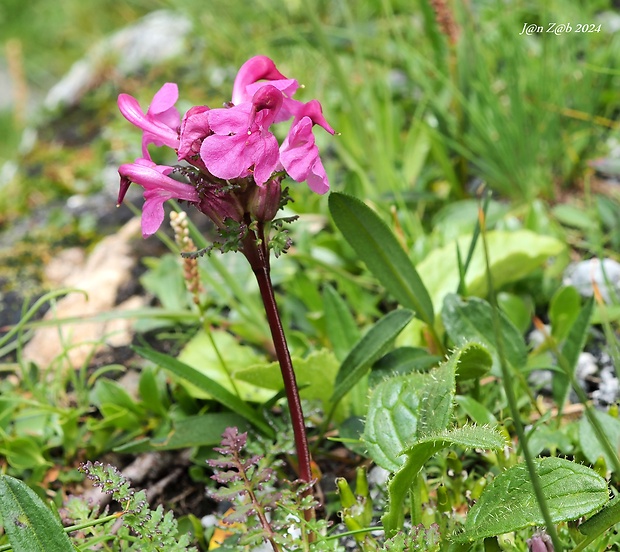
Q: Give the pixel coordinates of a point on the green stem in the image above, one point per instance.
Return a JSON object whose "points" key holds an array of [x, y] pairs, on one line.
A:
{"points": [[602, 437], [512, 400]]}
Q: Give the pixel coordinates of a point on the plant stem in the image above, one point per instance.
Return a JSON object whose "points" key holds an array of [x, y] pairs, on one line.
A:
{"points": [[512, 399], [254, 247]]}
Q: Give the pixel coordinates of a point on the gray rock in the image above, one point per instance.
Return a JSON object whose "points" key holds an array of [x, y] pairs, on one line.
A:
{"points": [[157, 37], [605, 274]]}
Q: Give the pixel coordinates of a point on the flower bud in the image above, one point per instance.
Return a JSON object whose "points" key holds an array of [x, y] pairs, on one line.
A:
{"points": [[219, 206], [264, 201]]}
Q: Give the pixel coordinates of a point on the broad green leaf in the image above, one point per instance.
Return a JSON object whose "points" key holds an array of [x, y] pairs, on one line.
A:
{"points": [[207, 385], [471, 319], [509, 503], [404, 409], [393, 417], [419, 453], [315, 376], [219, 360], [377, 246], [606, 314], [570, 350], [114, 416], [29, 523], [340, 325], [369, 348], [590, 445], [512, 256]]}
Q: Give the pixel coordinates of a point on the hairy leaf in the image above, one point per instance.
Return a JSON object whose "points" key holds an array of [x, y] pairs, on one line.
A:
{"points": [[509, 503], [29, 523]]}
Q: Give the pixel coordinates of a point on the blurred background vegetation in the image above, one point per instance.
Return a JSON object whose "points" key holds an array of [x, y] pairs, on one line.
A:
{"points": [[422, 115]]}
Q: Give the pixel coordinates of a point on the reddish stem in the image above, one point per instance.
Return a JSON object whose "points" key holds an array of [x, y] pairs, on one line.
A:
{"points": [[256, 251]]}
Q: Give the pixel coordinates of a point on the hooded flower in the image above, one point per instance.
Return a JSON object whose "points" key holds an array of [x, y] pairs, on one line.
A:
{"points": [[260, 71], [158, 188], [241, 143], [161, 121], [299, 154], [231, 162]]}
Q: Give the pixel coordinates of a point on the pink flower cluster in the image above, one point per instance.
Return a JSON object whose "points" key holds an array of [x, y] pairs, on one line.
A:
{"points": [[229, 148]]}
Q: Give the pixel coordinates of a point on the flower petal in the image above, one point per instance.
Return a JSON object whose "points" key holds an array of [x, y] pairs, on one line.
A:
{"points": [[317, 179], [298, 152], [266, 158], [254, 69], [226, 156], [158, 188]]}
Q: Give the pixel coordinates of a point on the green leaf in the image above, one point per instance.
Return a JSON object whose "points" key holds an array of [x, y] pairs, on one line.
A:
{"points": [[516, 309], [603, 520], [512, 256], [563, 310], [219, 356], [23, 453], [589, 442], [479, 413], [377, 246], [107, 391], [208, 385], [402, 361], [509, 503], [419, 453], [165, 280], [195, 431], [372, 346], [152, 391], [570, 350], [340, 325], [576, 217], [471, 319], [474, 362], [404, 409], [315, 376], [29, 523]]}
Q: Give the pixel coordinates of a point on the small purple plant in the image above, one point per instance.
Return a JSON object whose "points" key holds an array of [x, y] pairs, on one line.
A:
{"points": [[231, 168]]}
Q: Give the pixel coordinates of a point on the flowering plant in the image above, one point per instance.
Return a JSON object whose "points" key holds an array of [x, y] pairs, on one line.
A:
{"points": [[231, 167], [230, 162]]}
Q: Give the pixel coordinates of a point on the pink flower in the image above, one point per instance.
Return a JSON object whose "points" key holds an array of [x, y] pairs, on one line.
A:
{"points": [[194, 129], [299, 154], [261, 68], [161, 121], [241, 143], [253, 70], [158, 188]]}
